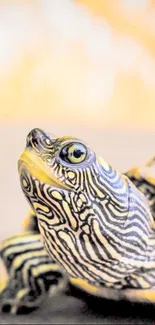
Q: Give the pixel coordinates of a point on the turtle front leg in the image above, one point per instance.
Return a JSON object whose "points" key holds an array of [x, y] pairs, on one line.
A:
{"points": [[32, 273]]}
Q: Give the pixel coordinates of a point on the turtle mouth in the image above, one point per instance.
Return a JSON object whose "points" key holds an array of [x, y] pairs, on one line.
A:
{"points": [[33, 164]]}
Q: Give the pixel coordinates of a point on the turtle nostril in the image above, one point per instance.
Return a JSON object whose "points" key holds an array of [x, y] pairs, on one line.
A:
{"points": [[32, 137], [37, 136]]}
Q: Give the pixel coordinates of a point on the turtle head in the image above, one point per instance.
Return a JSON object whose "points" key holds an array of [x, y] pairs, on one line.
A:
{"points": [[55, 162], [82, 206]]}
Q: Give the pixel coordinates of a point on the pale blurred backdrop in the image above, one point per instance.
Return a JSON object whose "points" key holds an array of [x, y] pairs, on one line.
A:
{"points": [[85, 68]]}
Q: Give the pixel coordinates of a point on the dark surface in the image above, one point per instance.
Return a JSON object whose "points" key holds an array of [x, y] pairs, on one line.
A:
{"points": [[64, 309]]}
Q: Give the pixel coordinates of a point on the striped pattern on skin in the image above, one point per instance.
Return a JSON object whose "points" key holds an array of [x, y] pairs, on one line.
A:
{"points": [[32, 273], [94, 222]]}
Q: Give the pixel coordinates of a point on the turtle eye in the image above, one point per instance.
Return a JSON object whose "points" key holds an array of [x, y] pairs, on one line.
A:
{"points": [[73, 153]]}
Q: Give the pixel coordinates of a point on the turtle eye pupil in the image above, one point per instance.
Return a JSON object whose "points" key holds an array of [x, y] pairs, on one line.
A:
{"points": [[78, 153]]}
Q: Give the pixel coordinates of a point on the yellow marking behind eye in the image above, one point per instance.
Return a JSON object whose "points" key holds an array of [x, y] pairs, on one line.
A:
{"points": [[103, 163]]}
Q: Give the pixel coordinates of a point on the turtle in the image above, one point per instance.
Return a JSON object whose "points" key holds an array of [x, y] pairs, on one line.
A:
{"points": [[89, 226]]}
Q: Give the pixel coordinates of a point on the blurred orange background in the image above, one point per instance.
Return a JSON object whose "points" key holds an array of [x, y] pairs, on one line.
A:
{"points": [[85, 68], [88, 62]]}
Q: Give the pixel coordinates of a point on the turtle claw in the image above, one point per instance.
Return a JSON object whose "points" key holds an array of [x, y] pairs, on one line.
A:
{"points": [[15, 303], [7, 307]]}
